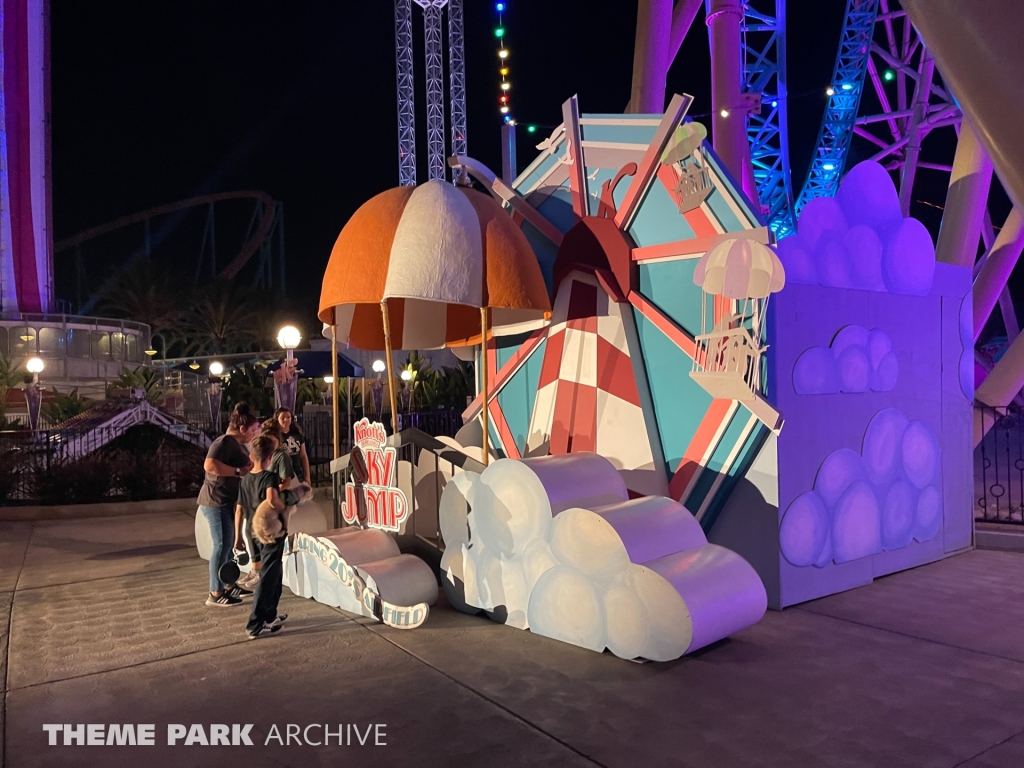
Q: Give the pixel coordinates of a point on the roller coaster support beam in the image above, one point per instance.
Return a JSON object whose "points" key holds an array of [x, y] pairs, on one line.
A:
{"points": [[1000, 387], [651, 56], [966, 201], [915, 133], [683, 15], [977, 48], [1002, 257], [682, 19], [728, 105]]}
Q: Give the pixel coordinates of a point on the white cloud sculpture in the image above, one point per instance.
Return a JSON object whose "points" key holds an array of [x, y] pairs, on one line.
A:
{"points": [[555, 545]]}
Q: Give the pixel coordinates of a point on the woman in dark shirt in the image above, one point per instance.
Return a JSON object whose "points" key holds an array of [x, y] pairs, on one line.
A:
{"points": [[227, 462], [294, 443]]}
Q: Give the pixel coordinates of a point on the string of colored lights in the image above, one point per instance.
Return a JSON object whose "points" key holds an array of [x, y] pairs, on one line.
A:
{"points": [[504, 98]]}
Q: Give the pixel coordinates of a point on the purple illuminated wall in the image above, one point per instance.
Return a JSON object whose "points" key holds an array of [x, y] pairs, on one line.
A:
{"points": [[869, 343], [927, 343]]}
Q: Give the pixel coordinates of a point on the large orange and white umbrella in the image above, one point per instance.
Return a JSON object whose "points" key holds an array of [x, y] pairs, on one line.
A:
{"points": [[431, 266]]}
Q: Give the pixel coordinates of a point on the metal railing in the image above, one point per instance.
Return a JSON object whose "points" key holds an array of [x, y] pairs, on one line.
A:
{"points": [[116, 464], [999, 465], [320, 437], [316, 427]]}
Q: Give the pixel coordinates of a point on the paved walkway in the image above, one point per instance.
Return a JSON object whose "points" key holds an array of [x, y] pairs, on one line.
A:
{"points": [[107, 625]]}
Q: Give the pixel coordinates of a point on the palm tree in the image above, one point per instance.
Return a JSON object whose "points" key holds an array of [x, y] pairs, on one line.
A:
{"points": [[10, 376], [224, 317], [146, 291], [64, 407], [141, 377]]}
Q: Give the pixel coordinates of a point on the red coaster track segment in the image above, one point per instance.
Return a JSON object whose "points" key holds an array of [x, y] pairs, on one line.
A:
{"points": [[248, 248]]}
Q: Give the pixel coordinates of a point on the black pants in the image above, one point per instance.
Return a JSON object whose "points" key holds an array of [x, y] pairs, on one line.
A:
{"points": [[255, 547], [268, 589]]}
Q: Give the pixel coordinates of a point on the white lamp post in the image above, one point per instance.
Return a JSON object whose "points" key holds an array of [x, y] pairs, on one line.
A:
{"points": [[214, 393], [407, 385], [33, 394], [377, 388], [286, 377], [328, 380]]}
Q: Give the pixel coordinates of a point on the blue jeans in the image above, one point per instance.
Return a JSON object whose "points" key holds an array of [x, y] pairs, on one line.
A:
{"points": [[222, 532]]}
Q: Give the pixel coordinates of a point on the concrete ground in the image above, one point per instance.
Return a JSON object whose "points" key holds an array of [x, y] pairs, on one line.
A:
{"points": [[103, 621]]}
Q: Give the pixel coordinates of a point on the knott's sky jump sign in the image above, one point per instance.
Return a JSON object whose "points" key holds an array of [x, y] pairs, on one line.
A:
{"points": [[372, 496]]}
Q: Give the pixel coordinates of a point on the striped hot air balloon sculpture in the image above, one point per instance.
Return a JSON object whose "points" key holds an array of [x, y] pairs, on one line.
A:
{"points": [[428, 267]]}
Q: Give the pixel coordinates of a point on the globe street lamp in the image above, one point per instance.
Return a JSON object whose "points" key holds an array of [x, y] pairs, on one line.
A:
{"points": [[407, 385], [288, 338], [328, 393], [377, 388], [286, 377], [214, 393], [33, 394]]}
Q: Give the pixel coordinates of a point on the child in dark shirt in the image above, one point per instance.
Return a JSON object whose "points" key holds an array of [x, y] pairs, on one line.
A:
{"points": [[281, 463], [259, 491]]}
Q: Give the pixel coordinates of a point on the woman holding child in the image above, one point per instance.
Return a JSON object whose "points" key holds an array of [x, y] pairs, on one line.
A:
{"points": [[227, 462], [281, 469], [261, 507]]}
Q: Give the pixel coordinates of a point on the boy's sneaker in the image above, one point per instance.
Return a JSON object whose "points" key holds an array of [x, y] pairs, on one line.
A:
{"points": [[224, 600], [238, 592], [266, 629], [249, 580], [281, 619]]}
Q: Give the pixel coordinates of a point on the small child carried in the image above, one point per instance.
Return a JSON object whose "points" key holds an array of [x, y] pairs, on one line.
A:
{"points": [[261, 507]]}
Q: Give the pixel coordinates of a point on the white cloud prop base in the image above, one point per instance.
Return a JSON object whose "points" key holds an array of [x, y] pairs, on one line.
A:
{"points": [[399, 580], [555, 545]]}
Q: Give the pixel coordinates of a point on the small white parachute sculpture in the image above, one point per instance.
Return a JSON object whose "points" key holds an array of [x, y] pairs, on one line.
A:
{"points": [[555, 545], [738, 276]]}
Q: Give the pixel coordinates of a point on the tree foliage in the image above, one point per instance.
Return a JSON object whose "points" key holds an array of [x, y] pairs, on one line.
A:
{"points": [[63, 407], [146, 379], [11, 375], [248, 383], [145, 291]]}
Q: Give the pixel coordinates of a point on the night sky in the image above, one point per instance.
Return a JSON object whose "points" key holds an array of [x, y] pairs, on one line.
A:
{"points": [[154, 102]]}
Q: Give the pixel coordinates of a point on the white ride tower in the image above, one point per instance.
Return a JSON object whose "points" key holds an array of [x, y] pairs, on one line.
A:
{"points": [[434, 59]]}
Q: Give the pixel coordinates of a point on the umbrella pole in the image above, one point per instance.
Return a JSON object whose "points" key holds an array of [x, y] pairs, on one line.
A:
{"points": [[334, 390], [391, 376], [483, 380], [348, 401]]}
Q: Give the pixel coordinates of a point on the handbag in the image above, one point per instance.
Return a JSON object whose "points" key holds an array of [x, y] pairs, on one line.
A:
{"points": [[229, 572]]}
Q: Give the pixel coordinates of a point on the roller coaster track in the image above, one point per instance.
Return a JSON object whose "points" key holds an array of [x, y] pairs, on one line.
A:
{"points": [[249, 247], [764, 74], [836, 132], [876, 36]]}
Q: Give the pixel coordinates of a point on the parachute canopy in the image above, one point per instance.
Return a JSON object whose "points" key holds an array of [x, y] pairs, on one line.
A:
{"points": [[740, 269]]}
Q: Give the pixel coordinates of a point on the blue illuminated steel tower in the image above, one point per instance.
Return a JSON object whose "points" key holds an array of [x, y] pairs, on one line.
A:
{"points": [[764, 76]]}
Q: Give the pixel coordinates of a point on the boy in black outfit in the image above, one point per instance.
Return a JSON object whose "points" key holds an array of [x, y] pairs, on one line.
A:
{"points": [[258, 492]]}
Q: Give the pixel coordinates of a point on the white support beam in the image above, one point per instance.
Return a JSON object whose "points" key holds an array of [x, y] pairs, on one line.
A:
{"points": [[996, 269], [966, 201]]}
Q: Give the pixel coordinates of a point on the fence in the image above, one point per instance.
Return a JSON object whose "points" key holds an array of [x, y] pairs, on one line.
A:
{"points": [[148, 462], [98, 464], [999, 466], [316, 427]]}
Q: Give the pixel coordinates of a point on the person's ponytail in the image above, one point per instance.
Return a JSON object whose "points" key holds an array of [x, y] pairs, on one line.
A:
{"points": [[241, 418]]}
